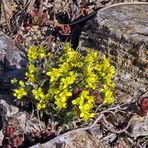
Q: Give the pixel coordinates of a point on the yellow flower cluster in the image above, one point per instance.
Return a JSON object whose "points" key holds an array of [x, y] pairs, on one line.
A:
{"points": [[107, 95], [41, 52], [61, 99], [61, 93], [60, 74], [64, 67], [64, 76], [65, 82], [70, 56], [54, 74], [39, 95], [13, 81], [106, 72], [91, 78], [91, 57], [89, 68], [34, 53], [85, 103], [20, 92], [30, 73]]}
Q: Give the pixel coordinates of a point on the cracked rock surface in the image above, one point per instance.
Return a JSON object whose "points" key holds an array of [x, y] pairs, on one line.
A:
{"points": [[12, 62], [72, 139]]}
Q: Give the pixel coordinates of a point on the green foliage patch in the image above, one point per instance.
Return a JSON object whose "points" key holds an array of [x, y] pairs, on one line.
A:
{"points": [[51, 81]]}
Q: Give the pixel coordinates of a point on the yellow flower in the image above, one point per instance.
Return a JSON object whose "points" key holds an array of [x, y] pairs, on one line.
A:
{"points": [[13, 81], [80, 100], [86, 115], [44, 105], [54, 74], [19, 93], [60, 101], [77, 64], [91, 57], [60, 104], [31, 68], [91, 100], [41, 52], [64, 68], [71, 56], [112, 70], [30, 77], [108, 100], [91, 81], [39, 106], [112, 85], [53, 90], [85, 104], [98, 67], [32, 53], [61, 98], [66, 93], [107, 95], [87, 70], [38, 93], [21, 83], [84, 93], [67, 47], [74, 102], [87, 107], [72, 76], [106, 62], [71, 73], [65, 82]]}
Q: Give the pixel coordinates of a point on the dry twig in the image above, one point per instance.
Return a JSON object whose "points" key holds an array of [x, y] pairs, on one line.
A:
{"points": [[112, 129]]}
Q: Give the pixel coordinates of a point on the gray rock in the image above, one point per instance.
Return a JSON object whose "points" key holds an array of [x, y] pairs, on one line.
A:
{"points": [[72, 139], [1, 137], [121, 32], [12, 61], [140, 126], [22, 121], [6, 108]]}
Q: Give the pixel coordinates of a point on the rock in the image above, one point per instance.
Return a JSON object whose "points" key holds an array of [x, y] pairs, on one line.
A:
{"points": [[22, 121], [121, 32], [96, 132], [72, 139], [7, 108], [139, 126], [98, 136], [1, 137], [13, 115], [12, 62]]}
